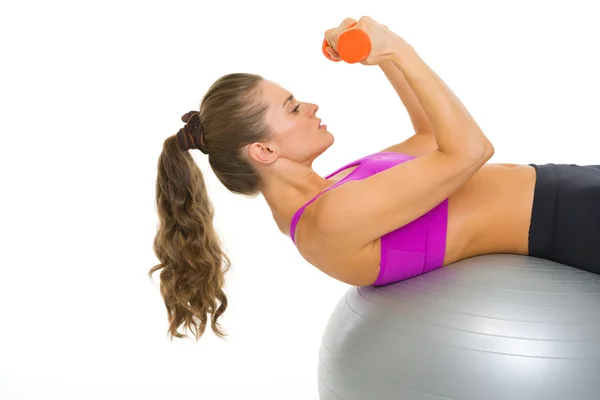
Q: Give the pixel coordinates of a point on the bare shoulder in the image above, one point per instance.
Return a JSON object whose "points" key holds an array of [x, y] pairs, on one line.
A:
{"points": [[334, 251]]}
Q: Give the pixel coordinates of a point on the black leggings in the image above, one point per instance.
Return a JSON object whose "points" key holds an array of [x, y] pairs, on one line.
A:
{"points": [[565, 219]]}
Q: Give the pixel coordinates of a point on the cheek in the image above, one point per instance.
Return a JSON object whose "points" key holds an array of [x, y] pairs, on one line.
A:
{"points": [[295, 130], [289, 137], [297, 140], [292, 132], [286, 126]]}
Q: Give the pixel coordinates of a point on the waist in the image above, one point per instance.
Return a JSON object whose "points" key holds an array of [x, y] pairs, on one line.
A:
{"points": [[491, 213]]}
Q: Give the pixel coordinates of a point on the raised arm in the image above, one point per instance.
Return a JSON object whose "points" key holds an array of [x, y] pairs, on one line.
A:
{"points": [[422, 140], [396, 196], [418, 116], [457, 133]]}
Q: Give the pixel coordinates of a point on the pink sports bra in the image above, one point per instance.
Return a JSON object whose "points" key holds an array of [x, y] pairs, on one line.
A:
{"points": [[413, 249]]}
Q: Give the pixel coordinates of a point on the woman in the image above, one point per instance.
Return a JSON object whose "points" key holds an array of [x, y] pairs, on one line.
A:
{"points": [[413, 207]]}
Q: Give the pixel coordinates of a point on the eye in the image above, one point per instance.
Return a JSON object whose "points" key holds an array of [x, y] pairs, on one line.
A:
{"points": [[295, 110]]}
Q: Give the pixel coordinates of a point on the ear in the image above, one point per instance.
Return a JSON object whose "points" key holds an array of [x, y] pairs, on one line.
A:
{"points": [[262, 153]]}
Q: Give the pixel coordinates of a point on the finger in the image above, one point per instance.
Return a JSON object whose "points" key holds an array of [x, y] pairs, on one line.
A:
{"points": [[347, 21], [332, 53]]}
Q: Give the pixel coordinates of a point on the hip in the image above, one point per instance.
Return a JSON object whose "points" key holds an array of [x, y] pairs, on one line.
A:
{"points": [[565, 221]]}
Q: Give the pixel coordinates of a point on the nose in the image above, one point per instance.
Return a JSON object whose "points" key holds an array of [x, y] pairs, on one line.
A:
{"points": [[313, 109]]}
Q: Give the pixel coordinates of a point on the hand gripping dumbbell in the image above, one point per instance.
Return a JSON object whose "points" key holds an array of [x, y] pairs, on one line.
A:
{"points": [[353, 46]]}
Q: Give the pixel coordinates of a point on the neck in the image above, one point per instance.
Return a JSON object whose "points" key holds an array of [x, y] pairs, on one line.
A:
{"points": [[287, 187]]}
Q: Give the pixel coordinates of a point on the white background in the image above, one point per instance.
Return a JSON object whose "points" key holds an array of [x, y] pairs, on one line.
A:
{"points": [[90, 90]]}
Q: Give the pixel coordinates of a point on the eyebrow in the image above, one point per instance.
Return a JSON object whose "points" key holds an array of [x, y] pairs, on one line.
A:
{"points": [[290, 97]]}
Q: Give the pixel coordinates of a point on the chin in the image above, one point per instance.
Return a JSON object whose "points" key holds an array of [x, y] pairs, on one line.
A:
{"points": [[330, 135], [328, 142]]}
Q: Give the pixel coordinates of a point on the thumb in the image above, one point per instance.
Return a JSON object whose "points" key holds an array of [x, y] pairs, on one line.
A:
{"points": [[333, 53]]}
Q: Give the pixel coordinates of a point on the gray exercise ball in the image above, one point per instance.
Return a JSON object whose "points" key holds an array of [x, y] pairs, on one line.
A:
{"points": [[491, 327]]}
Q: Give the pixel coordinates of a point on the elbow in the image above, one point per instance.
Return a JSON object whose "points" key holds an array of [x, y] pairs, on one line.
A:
{"points": [[478, 153], [488, 149]]}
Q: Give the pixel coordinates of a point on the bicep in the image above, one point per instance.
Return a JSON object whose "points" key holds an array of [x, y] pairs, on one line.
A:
{"points": [[367, 209], [417, 145]]}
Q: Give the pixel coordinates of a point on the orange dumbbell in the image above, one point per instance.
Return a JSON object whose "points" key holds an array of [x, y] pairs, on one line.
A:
{"points": [[353, 46]]}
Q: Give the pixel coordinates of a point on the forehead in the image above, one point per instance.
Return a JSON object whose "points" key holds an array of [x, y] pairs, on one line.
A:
{"points": [[273, 93]]}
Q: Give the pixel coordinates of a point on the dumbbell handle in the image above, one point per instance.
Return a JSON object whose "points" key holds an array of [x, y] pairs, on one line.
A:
{"points": [[353, 46]]}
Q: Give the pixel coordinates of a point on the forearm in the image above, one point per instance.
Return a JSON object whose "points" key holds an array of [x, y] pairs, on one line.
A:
{"points": [[418, 117], [455, 129]]}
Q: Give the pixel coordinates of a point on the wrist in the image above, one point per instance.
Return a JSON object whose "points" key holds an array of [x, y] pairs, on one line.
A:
{"points": [[402, 53], [387, 65]]}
